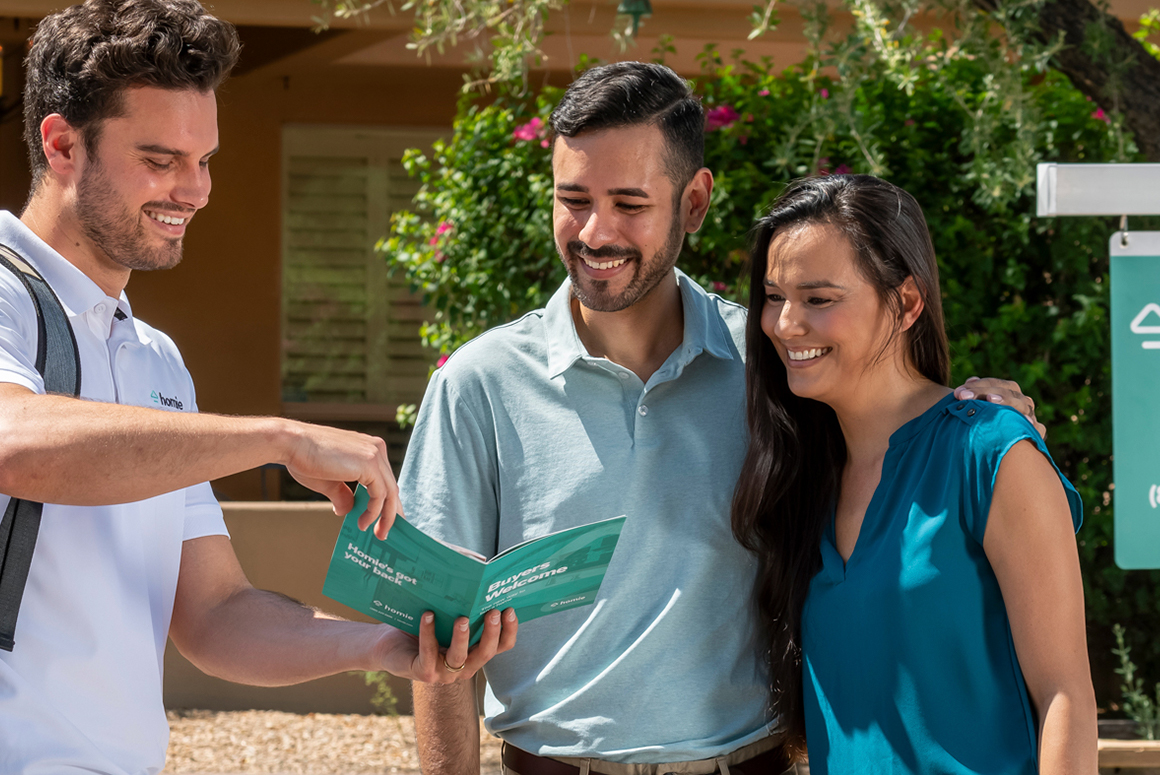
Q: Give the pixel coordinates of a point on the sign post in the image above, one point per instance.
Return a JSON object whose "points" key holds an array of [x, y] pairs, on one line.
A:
{"points": [[1123, 190], [1135, 318]]}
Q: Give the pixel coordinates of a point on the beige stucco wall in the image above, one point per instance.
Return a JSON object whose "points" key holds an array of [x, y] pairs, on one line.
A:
{"points": [[283, 547]]}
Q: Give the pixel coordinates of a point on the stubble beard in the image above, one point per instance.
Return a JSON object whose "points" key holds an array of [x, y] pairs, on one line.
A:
{"points": [[595, 295], [117, 231]]}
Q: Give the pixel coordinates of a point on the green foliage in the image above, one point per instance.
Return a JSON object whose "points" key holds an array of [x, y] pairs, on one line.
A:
{"points": [[1149, 30], [506, 33], [1137, 704], [384, 701], [406, 414], [479, 245], [959, 118]]}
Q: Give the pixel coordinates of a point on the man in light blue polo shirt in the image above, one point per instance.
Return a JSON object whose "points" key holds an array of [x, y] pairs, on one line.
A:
{"points": [[625, 395]]}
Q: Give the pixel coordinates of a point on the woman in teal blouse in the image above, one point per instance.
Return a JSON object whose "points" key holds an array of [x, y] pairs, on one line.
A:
{"points": [[919, 580]]}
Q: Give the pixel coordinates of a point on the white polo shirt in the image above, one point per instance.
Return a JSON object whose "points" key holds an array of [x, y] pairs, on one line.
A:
{"points": [[81, 691]]}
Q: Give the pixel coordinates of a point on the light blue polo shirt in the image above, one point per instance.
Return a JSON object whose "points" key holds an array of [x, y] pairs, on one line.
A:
{"points": [[522, 433]]}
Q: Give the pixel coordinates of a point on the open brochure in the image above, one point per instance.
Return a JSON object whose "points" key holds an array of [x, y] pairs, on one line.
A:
{"points": [[396, 580]]}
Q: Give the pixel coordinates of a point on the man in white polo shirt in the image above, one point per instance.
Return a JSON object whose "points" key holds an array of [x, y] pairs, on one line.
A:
{"points": [[121, 121]]}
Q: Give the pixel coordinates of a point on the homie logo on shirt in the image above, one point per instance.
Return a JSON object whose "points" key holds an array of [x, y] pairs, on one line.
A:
{"points": [[171, 403]]}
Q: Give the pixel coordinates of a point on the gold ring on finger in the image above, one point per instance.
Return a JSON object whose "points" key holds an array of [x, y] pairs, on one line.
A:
{"points": [[451, 669]]}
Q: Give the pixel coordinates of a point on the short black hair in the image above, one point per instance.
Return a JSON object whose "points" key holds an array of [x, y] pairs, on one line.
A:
{"points": [[83, 58], [633, 93]]}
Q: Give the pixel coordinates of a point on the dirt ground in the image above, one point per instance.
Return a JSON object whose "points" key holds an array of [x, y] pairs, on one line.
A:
{"points": [[243, 742]]}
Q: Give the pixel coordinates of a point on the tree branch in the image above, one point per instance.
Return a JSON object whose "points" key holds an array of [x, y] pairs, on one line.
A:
{"points": [[1132, 90]]}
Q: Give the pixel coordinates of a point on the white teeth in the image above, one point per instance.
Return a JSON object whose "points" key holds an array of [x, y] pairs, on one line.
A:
{"points": [[606, 265], [805, 355], [165, 218]]}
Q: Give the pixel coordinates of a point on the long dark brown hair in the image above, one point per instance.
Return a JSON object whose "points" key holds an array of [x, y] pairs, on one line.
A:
{"points": [[792, 470]]}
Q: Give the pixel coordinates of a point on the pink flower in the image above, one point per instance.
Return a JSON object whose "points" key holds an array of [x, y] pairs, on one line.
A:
{"points": [[442, 360], [719, 118], [763, 93], [908, 122], [544, 143], [439, 256], [530, 130], [824, 165], [433, 241], [444, 227], [825, 94], [719, 287], [1099, 115], [842, 169]]}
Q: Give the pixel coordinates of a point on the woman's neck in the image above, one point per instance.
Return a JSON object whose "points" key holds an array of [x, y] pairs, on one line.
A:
{"points": [[869, 419]]}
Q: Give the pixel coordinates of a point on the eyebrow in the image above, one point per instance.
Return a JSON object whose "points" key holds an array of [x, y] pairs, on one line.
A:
{"points": [[810, 286], [164, 151], [640, 193]]}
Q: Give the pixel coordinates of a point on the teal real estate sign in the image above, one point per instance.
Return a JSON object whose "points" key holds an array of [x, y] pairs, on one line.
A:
{"points": [[1135, 300]]}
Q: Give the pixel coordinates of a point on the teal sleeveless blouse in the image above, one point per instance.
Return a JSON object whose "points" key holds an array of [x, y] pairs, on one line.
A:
{"points": [[907, 658]]}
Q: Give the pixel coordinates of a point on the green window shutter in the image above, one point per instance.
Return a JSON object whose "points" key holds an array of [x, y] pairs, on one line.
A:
{"points": [[350, 332]]}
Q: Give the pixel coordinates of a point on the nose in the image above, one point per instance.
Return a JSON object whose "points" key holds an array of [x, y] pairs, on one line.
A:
{"points": [[789, 322], [598, 229], [192, 187]]}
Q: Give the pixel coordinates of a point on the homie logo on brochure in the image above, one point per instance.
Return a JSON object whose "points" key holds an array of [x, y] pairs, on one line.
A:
{"points": [[396, 580]]}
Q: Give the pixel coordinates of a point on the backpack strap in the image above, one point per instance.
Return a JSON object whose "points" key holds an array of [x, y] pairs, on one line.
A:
{"points": [[58, 361]]}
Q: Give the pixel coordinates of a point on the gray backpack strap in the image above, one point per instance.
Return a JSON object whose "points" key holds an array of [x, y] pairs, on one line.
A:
{"points": [[58, 361]]}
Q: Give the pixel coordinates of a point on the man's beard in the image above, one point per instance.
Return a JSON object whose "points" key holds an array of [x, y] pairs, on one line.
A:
{"points": [[117, 231], [594, 294]]}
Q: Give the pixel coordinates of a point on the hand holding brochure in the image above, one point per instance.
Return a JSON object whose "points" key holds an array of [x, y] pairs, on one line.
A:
{"points": [[396, 580]]}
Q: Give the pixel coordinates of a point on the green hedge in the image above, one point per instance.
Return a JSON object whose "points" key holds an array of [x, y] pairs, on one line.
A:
{"points": [[1025, 298]]}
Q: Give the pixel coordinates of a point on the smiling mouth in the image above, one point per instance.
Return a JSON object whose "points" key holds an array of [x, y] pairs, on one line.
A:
{"points": [[172, 220], [605, 265], [807, 355]]}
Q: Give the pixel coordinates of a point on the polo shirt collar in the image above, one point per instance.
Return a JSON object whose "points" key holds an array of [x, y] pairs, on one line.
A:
{"points": [[705, 331], [78, 294]]}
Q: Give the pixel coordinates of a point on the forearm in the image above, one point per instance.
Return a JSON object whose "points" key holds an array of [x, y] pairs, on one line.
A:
{"points": [[1068, 743], [446, 728], [65, 450], [266, 639]]}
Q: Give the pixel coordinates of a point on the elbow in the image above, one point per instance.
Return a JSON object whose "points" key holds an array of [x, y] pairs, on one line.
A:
{"points": [[17, 455], [1075, 702]]}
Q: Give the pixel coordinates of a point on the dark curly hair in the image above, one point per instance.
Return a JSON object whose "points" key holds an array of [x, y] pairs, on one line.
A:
{"points": [[83, 58]]}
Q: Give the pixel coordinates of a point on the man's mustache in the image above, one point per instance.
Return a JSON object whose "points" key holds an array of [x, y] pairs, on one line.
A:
{"points": [[578, 248]]}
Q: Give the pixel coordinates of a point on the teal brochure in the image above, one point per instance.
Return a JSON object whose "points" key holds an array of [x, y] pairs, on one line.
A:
{"points": [[396, 580]]}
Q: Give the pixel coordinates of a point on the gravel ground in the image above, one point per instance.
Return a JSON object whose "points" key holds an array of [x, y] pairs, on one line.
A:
{"points": [[253, 741], [243, 742]]}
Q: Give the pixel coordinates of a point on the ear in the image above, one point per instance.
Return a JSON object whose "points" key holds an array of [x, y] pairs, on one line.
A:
{"points": [[695, 200], [62, 145], [910, 302]]}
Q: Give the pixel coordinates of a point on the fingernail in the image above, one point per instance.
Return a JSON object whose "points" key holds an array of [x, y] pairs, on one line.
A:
{"points": [[493, 617], [463, 626], [428, 617], [971, 379], [967, 395], [994, 399], [511, 614]]}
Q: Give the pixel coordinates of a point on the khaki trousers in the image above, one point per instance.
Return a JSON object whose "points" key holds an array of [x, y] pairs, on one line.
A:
{"points": [[719, 764]]}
